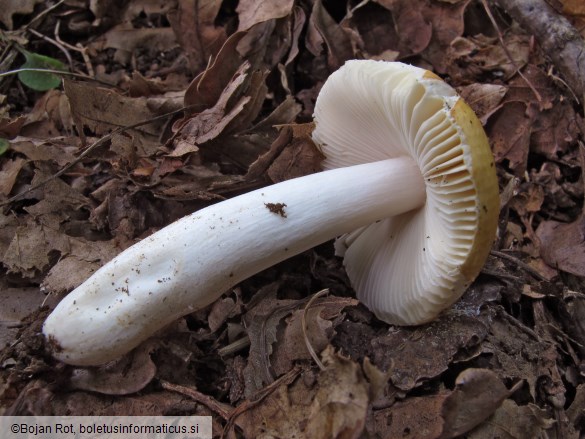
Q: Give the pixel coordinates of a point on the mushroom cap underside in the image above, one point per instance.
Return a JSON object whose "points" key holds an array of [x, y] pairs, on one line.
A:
{"points": [[407, 269]]}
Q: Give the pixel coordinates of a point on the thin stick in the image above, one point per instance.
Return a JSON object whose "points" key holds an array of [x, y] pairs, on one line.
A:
{"points": [[54, 43], [304, 326], [43, 13], [286, 379], [56, 72], [195, 395], [520, 264], [507, 52]]}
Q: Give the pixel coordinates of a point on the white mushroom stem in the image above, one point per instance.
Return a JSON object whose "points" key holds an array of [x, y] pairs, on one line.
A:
{"points": [[190, 263]]}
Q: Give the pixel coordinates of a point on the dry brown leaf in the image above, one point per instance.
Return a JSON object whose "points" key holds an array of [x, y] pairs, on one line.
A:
{"points": [[337, 38], [412, 355], [58, 150], [300, 157], [251, 12], [478, 393], [32, 245], [221, 310], [528, 200], [562, 245], [78, 264], [515, 422], [556, 131], [212, 122], [291, 346], [13, 7], [207, 87], [10, 128], [9, 174], [17, 303], [126, 40], [413, 418], [484, 99], [50, 116], [573, 7], [474, 57], [407, 27], [129, 374], [447, 21], [516, 352], [110, 110], [334, 406], [576, 411], [81, 403], [509, 130], [262, 322], [193, 23]]}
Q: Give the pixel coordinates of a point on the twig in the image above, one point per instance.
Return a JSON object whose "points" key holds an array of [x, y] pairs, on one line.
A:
{"points": [[507, 52], [43, 13], [499, 275], [56, 72], [54, 43], [195, 395], [88, 150], [304, 326], [78, 48], [287, 378], [520, 264], [234, 347]]}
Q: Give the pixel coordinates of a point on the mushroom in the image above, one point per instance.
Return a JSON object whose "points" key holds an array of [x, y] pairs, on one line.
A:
{"points": [[409, 188]]}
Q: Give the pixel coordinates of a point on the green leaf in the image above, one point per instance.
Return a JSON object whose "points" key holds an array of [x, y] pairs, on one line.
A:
{"points": [[40, 81], [4, 144]]}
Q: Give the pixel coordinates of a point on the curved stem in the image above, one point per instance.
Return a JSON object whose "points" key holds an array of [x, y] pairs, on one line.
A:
{"points": [[190, 263]]}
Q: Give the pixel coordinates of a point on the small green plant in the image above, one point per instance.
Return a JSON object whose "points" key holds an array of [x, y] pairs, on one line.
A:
{"points": [[40, 81], [4, 144]]}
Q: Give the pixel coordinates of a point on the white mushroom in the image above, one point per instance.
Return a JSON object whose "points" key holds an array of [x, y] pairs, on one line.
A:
{"points": [[415, 193]]}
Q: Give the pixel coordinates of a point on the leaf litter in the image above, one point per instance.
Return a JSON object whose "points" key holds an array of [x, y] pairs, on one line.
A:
{"points": [[185, 103]]}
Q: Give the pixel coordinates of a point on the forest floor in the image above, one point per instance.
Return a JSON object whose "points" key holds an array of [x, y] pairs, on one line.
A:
{"points": [[146, 124]]}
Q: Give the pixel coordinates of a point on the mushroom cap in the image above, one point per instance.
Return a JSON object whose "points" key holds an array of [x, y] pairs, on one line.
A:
{"points": [[409, 268]]}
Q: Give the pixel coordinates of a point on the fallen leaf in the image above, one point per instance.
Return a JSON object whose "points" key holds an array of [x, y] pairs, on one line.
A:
{"points": [[512, 421], [334, 406], [413, 418], [207, 87], [110, 110], [129, 374], [300, 157], [562, 245], [516, 352], [226, 113], [337, 38], [484, 99], [17, 303], [251, 12], [290, 345], [9, 174], [412, 355], [75, 266], [509, 130], [447, 22], [404, 29], [221, 310], [573, 7], [193, 23], [478, 393], [477, 56], [126, 39], [13, 7]]}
